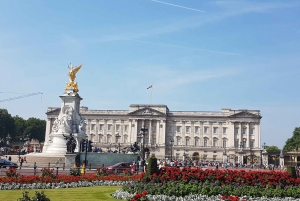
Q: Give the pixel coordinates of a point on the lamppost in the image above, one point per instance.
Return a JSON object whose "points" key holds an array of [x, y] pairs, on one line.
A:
{"points": [[142, 135], [117, 141], [263, 148], [171, 144]]}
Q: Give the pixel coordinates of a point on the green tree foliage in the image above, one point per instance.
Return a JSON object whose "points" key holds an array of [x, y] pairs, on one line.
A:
{"points": [[17, 127], [272, 148], [293, 143], [7, 125], [20, 124], [35, 128]]}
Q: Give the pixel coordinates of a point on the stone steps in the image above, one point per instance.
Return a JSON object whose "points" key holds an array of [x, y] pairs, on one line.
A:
{"points": [[40, 160]]}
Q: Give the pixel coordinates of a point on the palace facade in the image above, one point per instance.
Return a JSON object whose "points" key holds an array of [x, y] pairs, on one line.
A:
{"points": [[224, 136]]}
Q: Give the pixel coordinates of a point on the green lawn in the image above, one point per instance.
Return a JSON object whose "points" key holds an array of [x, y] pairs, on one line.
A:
{"points": [[101, 193]]}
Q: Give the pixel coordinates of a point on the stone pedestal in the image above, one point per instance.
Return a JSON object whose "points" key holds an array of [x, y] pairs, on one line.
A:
{"points": [[70, 160]]}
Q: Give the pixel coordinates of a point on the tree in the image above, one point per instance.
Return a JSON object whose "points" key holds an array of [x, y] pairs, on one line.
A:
{"points": [[293, 143], [20, 125], [35, 129], [272, 148], [7, 125]]}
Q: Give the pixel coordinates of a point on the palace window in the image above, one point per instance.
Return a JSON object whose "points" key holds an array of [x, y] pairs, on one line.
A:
{"points": [[153, 141], [236, 130], [154, 129], [196, 141], [236, 144], [215, 130], [214, 157], [187, 141], [251, 144], [215, 142], [197, 129], [244, 143], [126, 128], [100, 138], [187, 129], [205, 129], [224, 143], [178, 141], [178, 129], [205, 142], [251, 131], [93, 127], [108, 138], [117, 127], [101, 127], [224, 130], [244, 131], [109, 127]]}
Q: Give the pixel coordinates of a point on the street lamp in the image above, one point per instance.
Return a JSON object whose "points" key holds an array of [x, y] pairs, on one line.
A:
{"points": [[171, 144], [117, 141], [142, 135]]}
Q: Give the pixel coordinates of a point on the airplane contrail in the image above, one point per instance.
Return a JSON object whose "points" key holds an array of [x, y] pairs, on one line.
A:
{"points": [[178, 6]]}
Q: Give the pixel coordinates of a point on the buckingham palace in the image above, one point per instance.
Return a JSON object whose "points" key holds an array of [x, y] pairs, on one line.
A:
{"points": [[227, 135]]}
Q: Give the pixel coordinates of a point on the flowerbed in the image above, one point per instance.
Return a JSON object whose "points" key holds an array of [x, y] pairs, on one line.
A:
{"points": [[225, 177], [180, 183], [174, 184]]}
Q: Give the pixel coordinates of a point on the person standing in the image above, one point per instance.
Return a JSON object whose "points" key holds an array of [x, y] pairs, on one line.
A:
{"points": [[25, 160], [21, 161], [9, 158]]}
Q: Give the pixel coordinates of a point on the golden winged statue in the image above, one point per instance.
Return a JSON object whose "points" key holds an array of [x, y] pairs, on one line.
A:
{"points": [[72, 75], [73, 71]]}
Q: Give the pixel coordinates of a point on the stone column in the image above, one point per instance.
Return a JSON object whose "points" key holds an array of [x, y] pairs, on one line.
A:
{"points": [[192, 134], [240, 132], [256, 134], [201, 140], [210, 131], [230, 134], [163, 123], [150, 131], [220, 131], [158, 132], [135, 131], [248, 134]]}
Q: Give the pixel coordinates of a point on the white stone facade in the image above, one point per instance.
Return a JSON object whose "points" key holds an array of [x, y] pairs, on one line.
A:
{"points": [[198, 135]]}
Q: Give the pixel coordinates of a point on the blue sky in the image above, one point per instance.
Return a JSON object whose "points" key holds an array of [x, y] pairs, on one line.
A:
{"points": [[199, 56]]}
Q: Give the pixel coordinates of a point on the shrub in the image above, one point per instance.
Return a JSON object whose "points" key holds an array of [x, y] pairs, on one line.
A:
{"points": [[292, 171], [152, 165], [39, 196], [101, 172], [75, 172], [12, 172], [47, 172]]}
